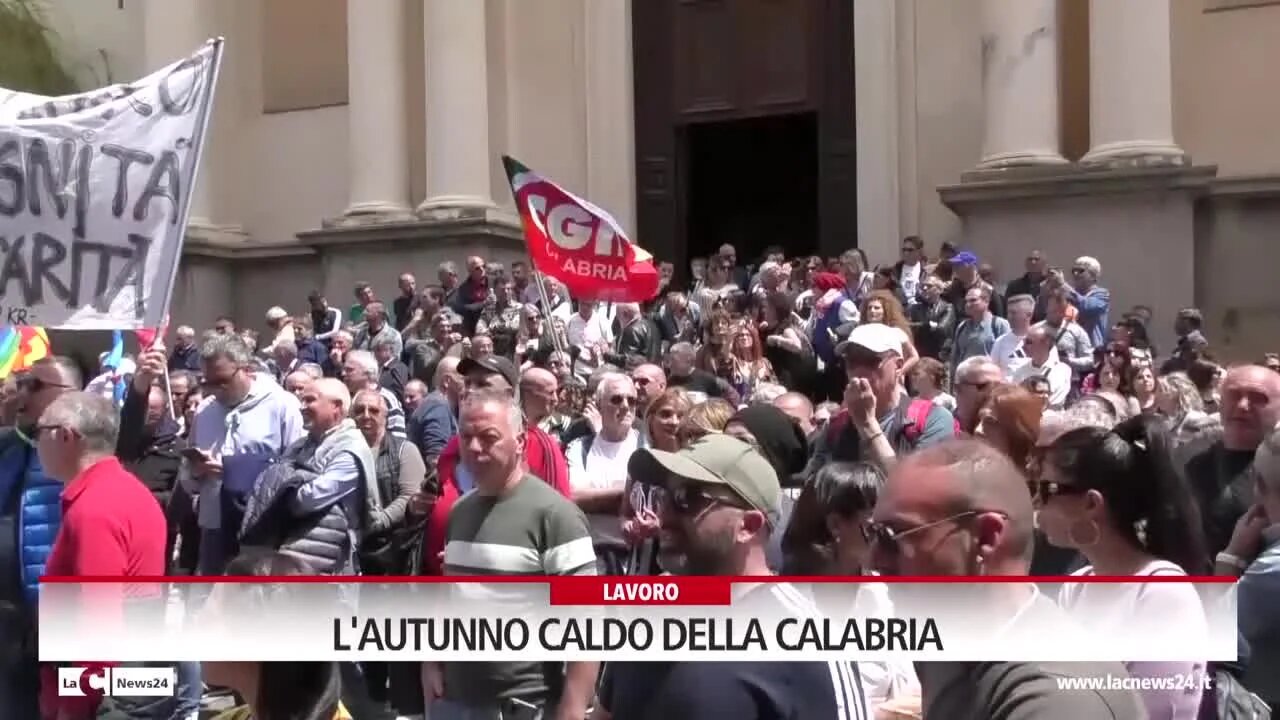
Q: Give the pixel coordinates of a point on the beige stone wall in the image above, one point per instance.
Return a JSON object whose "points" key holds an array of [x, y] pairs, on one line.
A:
{"points": [[1235, 272], [1226, 109], [947, 129]]}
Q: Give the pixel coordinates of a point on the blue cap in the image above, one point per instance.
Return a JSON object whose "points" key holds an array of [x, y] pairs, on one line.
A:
{"points": [[964, 258]]}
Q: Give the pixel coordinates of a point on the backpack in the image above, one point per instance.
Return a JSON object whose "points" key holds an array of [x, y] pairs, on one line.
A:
{"points": [[917, 417]]}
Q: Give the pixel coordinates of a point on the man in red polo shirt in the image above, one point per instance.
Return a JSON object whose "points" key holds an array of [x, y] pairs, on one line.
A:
{"points": [[111, 525]]}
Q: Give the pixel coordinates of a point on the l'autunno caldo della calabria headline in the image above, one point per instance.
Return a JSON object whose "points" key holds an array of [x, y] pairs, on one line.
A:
{"points": [[617, 619]]}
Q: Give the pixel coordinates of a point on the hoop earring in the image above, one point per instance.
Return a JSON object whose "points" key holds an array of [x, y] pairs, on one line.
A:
{"points": [[1094, 538]]}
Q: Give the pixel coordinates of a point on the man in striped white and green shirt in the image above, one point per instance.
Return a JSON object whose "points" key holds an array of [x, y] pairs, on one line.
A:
{"points": [[512, 523]]}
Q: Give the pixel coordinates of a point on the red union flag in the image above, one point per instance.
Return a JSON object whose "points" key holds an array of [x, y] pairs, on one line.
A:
{"points": [[577, 243]]}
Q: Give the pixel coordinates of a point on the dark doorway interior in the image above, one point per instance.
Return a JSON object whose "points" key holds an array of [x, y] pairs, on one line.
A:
{"points": [[753, 183]]}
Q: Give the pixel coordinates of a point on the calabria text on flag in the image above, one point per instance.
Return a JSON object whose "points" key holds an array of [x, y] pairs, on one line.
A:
{"points": [[577, 243]]}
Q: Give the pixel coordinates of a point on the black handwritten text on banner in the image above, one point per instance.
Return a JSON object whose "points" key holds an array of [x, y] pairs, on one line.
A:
{"points": [[93, 189]]}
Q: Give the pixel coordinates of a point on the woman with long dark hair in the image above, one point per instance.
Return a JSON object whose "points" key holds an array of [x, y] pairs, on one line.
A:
{"points": [[785, 346], [826, 536], [275, 690], [1118, 498]]}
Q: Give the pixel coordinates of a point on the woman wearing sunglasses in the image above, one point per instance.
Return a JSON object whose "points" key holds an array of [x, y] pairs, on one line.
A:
{"points": [[1117, 497]]}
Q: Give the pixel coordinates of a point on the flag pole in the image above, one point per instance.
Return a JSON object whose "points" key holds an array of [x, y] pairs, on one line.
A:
{"points": [[199, 135], [546, 302]]}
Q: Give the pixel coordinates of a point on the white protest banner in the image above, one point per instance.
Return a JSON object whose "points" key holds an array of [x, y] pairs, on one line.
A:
{"points": [[94, 195]]}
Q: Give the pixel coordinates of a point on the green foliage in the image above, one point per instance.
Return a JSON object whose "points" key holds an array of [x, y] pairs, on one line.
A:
{"points": [[28, 54]]}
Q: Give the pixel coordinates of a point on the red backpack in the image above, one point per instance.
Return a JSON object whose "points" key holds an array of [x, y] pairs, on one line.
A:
{"points": [[917, 418]]}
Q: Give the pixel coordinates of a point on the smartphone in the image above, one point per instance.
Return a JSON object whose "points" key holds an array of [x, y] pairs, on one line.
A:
{"points": [[194, 455]]}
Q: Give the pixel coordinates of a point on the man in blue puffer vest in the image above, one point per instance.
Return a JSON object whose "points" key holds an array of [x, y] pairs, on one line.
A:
{"points": [[30, 511]]}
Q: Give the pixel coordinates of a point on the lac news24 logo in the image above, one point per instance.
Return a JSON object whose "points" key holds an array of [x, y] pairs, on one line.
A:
{"points": [[119, 681]]}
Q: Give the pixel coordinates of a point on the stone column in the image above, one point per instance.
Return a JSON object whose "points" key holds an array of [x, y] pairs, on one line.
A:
{"points": [[610, 121], [378, 123], [457, 117], [172, 30], [1131, 84], [877, 84], [1020, 83]]}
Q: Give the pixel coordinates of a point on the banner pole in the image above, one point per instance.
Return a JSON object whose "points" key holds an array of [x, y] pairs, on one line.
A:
{"points": [[200, 134], [546, 303]]}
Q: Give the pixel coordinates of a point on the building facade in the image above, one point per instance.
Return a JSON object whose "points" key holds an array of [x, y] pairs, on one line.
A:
{"points": [[356, 140]]}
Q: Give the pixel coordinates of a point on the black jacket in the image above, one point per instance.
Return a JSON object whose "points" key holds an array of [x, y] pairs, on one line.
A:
{"points": [[638, 343], [393, 377], [934, 328], [152, 455]]}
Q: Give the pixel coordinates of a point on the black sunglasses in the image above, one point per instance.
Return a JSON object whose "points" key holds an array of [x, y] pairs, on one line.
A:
{"points": [[620, 400], [33, 384], [690, 500], [888, 539]]}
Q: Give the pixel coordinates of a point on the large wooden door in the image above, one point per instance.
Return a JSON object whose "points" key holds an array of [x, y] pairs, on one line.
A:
{"points": [[711, 60]]}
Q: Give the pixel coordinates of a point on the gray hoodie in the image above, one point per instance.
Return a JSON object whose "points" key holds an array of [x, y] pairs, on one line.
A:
{"points": [[246, 437]]}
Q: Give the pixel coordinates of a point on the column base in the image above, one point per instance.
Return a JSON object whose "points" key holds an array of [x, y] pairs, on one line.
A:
{"points": [[453, 207], [201, 230], [1021, 158], [1136, 153], [373, 212]]}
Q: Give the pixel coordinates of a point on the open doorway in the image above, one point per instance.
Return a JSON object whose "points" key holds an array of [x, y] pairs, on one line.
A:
{"points": [[753, 183]]}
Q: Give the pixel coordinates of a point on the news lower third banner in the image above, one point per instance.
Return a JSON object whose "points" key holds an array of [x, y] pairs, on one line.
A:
{"points": [[628, 619]]}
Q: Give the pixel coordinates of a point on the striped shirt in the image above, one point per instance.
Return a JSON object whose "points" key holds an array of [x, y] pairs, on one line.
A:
{"points": [[735, 690], [846, 682], [396, 424], [531, 530]]}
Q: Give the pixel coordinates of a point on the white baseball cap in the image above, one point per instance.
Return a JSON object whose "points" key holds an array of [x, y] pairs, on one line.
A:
{"points": [[875, 337]]}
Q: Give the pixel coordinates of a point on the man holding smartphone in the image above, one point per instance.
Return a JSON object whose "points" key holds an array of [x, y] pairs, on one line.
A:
{"points": [[246, 422]]}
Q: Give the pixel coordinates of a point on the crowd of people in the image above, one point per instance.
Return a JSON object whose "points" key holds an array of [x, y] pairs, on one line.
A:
{"points": [[801, 416]]}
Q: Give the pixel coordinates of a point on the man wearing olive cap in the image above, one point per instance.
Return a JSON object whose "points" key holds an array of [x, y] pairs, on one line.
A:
{"points": [[720, 504]]}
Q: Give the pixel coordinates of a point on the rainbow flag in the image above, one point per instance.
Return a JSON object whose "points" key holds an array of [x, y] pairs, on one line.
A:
{"points": [[20, 346]]}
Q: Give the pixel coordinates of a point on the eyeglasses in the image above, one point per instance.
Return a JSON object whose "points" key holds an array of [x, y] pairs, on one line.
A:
{"points": [[621, 400], [33, 384], [879, 534], [1078, 271], [371, 410], [690, 500]]}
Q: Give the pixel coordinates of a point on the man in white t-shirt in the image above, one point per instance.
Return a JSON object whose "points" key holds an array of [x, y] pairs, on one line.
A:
{"points": [[1008, 350], [910, 270], [589, 331], [598, 468], [1043, 361]]}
